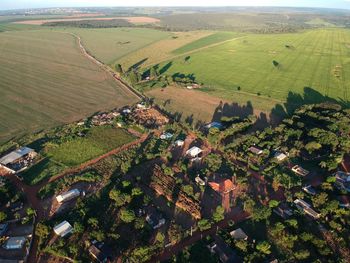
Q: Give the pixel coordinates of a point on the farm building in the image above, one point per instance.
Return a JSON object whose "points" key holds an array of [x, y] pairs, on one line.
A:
{"points": [[193, 152], [343, 181], [255, 150], [214, 124], [19, 159], [99, 251], [283, 211], [300, 170], [155, 220], [199, 181], [63, 229], [344, 201], [302, 205], [309, 189], [225, 253], [166, 136], [280, 157], [224, 190], [15, 243], [239, 234], [68, 195], [179, 143]]}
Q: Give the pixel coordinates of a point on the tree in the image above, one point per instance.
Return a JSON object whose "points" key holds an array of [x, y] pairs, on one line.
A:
{"points": [[93, 222], [119, 68], [136, 191], [320, 199], [153, 73], [119, 197], [160, 237], [141, 254], [214, 162], [204, 224], [273, 203], [313, 146], [133, 77], [219, 214], [264, 247], [127, 216], [3, 216]]}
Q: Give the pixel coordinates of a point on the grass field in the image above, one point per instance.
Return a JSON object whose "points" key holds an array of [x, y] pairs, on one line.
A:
{"points": [[163, 49], [97, 141], [46, 81], [111, 44], [318, 59]]}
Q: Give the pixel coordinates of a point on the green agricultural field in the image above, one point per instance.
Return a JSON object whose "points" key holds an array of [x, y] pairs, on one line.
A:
{"points": [[279, 67], [46, 81], [206, 41], [111, 44], [58, 157]]}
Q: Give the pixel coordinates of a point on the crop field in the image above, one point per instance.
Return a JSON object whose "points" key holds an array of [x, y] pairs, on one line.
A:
{"points": [[163, 49], [46, 81], [281, 67], [97, 141], [111, 44]]}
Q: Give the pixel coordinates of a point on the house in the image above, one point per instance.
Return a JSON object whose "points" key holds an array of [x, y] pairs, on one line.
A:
{"points": [[15, 243], [199, 181], [310, 190], [239, 234], [214, 124], [3, 228], [280, 157], [283, 210], [155, 220], [19, 159], [63, 229], [224, 190], [166, 136], [342, 181], [99, 251], [302, 205], [223, 251], [255, 150], [344, 201], [300, 170], [179, 143], [194, 152], [68, 195]]}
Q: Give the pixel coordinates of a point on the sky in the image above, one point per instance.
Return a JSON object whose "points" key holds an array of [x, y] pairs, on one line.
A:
{"points": [[18, 4]]}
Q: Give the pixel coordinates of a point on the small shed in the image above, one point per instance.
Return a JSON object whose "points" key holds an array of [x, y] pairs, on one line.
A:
{"points": [[179, 143], [194, 152], [16, 155], [63, 229], [239, 234], [255, 150], [68, 195], [280, 157]]}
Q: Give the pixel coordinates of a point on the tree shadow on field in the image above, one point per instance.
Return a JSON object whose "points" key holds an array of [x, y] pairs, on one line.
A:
{"points": [[165, 68], [137, 64], [278, 112]]}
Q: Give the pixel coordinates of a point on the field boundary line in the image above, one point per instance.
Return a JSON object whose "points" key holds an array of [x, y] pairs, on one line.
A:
{"points": [[104, 67]]}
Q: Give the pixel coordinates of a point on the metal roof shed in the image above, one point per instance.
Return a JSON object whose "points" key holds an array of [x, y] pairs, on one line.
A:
{"points": [[15, 155], [63, 229], [15, 243]]}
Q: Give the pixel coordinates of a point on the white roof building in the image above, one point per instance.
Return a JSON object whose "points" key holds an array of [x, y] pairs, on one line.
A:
{"points": [[68, 195], [15, 155], [179, 143], [15, 243], [280, 156], [194, 152], [239, 234], [63, 229]]}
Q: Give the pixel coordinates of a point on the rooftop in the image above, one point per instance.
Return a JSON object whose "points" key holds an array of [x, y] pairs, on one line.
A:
{"points": [[63, 229], [222, 186], [15, 155], [15, 243]]}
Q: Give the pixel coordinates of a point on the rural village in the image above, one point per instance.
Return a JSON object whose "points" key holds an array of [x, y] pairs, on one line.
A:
{"points": [[167, 169]]}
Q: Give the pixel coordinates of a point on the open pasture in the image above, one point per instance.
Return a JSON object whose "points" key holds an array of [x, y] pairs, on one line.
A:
{"points": [[46, 81], [272, 66]]}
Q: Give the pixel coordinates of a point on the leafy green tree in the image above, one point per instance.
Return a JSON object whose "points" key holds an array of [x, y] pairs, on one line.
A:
{"points": [[119, 68], [127, 216], [214, 162], [133, 77], [119, 197], [219, 214], [3, 216], [313, 146], [153, 73], [204, 224], [136, 191], [264, 247]]}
